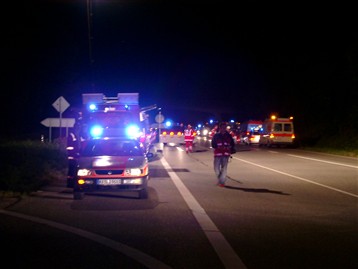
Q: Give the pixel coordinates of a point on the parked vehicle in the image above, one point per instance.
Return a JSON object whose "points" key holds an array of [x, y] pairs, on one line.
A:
{"points": [[249, 131], [103, 118], [277, 131], [113, 164], [172, 136], [254, 137]]}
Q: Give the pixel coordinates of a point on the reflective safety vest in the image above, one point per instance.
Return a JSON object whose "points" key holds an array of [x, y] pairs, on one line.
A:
{"points": [[188, 135], [222, 144]]}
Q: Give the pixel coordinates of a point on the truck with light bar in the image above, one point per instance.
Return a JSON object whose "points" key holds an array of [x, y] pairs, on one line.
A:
{"points": [[277, 132], [104, 151], [104, 116]]}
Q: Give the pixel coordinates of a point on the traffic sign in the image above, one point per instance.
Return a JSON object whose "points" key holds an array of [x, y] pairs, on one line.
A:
{"points": [[159, 118], [61, 104], [57, 122]]}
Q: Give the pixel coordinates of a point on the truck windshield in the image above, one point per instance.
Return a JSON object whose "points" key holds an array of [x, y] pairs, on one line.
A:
{"points": [[112, 148]]}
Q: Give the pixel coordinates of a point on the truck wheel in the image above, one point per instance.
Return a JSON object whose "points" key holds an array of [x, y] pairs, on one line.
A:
{"points": [[78, 195]]}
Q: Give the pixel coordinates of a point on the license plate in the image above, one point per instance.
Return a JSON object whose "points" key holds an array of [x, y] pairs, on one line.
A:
{"points": [[109, 181]]}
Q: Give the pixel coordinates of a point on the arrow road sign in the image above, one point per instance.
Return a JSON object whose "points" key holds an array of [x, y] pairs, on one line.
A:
{"points": [[57, 122]]}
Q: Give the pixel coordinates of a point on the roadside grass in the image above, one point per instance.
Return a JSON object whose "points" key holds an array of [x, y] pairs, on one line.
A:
{"points": [[29, 165], [334, 151], [335, 145]]}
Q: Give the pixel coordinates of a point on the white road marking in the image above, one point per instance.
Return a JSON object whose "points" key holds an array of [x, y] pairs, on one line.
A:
{"points": [[133, 253], [225, 252], [318, 160], [300, 178]]}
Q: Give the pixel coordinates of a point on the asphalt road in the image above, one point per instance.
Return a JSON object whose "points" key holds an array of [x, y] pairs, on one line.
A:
{"points": [[281, 208]]}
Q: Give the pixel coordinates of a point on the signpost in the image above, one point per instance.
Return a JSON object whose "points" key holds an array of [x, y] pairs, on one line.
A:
{"points": [[61, 105], [159, 118], [58, 122]]}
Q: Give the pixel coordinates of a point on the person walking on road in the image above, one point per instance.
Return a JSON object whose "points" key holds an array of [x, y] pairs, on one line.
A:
{"points": [[223, 145], [189, 138]]}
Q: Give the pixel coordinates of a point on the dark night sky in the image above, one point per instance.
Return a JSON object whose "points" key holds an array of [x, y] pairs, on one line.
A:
{"points": [[248, 59]]}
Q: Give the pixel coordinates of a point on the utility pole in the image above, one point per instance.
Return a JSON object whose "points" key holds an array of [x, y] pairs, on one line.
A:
{"points": [[90, 39], [89, 29]]}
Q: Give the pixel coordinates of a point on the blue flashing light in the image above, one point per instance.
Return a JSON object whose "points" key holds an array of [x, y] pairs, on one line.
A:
{"points": [[127, 107], [211, 121], [96, 131], [133, 131], [168, 123], [92, 107]]}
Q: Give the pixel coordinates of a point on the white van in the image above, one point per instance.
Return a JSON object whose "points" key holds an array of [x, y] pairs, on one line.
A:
{"points": [[277, 131]]}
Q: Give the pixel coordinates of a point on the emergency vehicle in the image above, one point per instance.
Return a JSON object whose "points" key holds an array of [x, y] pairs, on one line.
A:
{"points": [[249, 130], [277, 131], [103, 116], [118, 121]]}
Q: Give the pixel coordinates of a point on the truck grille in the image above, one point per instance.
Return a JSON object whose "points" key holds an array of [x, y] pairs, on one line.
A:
{"points": [[109, 172]]}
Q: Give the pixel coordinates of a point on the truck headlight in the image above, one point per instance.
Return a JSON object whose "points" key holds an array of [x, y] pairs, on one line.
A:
{"points": [[133, 172], [83, 172]]}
